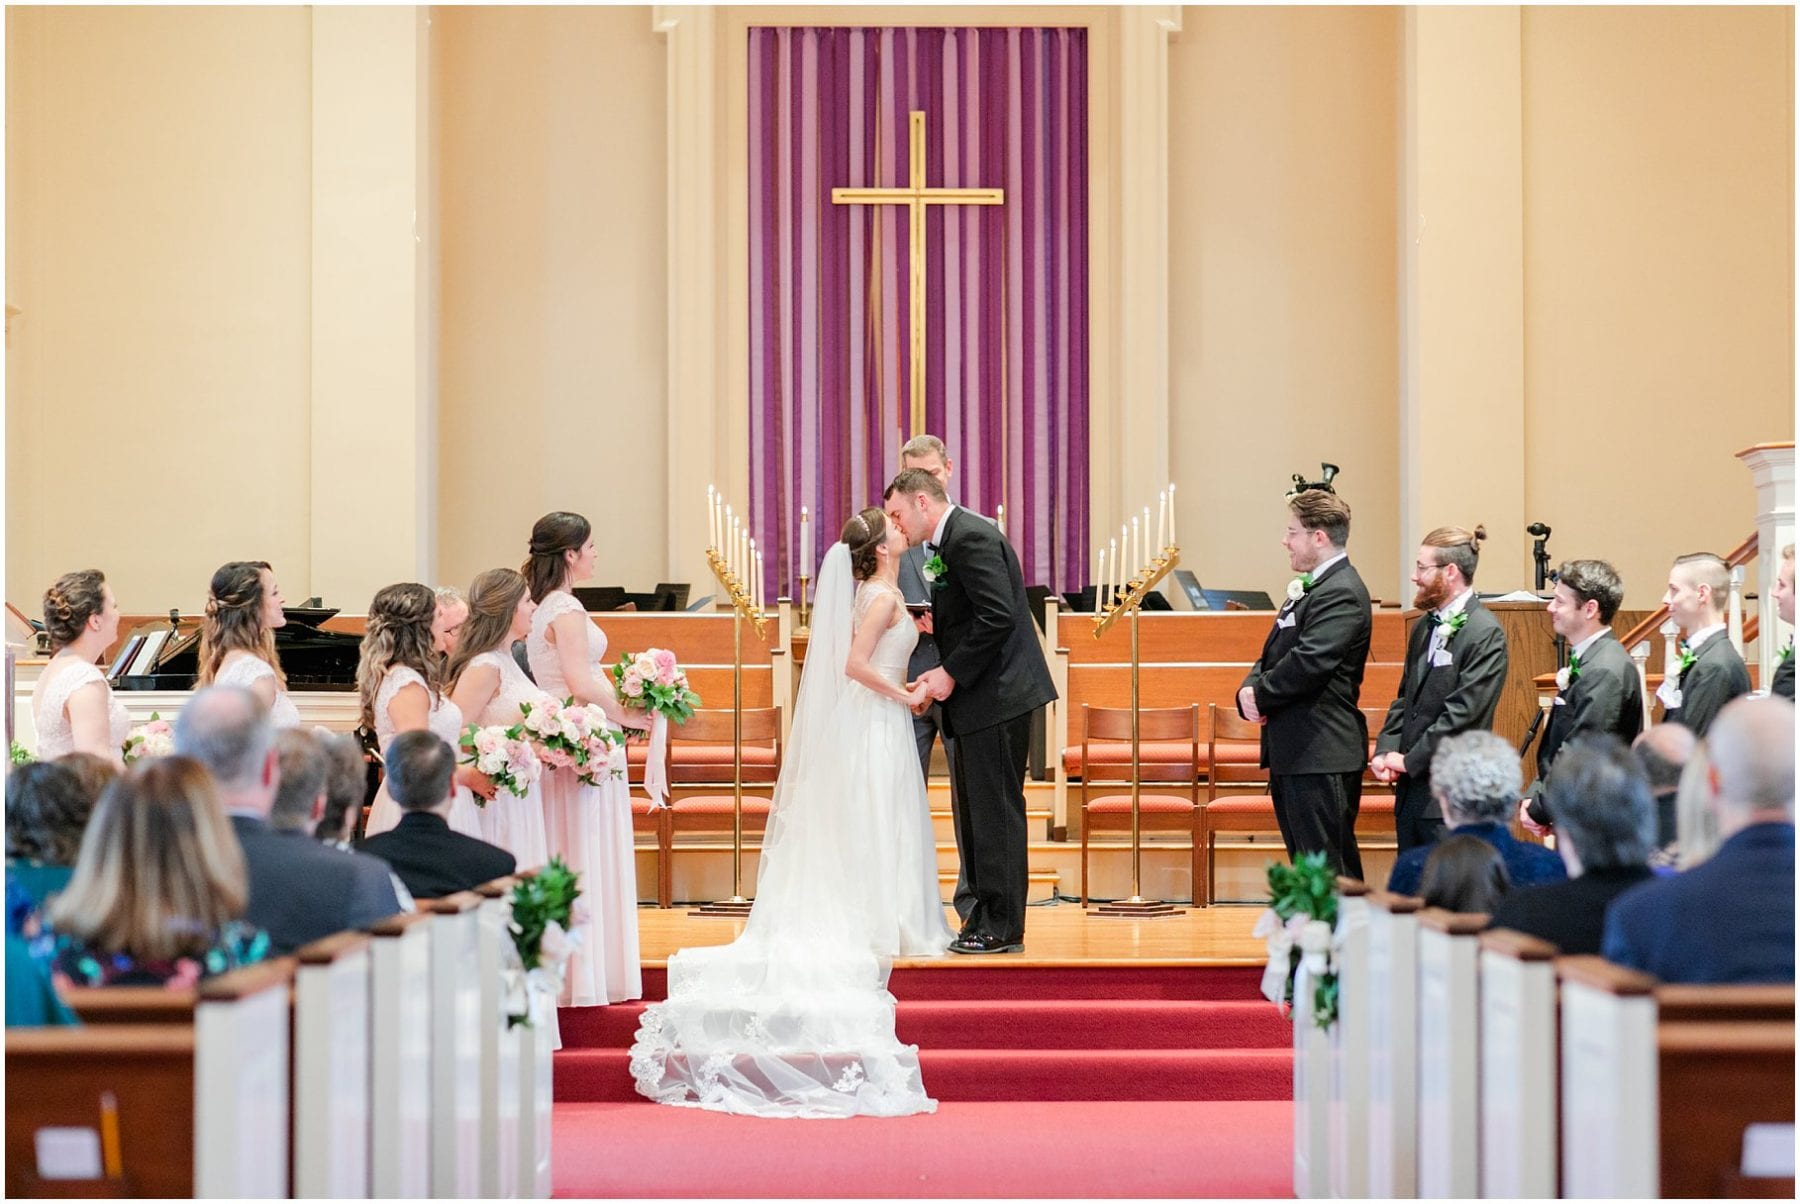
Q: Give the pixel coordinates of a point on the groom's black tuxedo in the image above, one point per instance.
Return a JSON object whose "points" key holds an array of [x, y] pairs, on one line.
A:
{"points": [[987, 645]]}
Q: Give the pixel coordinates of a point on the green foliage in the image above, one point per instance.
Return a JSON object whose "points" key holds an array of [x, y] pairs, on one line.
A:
{"points": [[1308, 888], [546, 896], [21, 755]]}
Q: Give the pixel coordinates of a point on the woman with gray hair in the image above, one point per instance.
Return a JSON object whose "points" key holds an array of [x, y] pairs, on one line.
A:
{"points": [[1475, 776], [1599, 798]]}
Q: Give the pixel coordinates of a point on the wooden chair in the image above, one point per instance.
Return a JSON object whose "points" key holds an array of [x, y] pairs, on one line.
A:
{"points": [[710, 810], [644, 819], [1173, 729], [1253, 813]]}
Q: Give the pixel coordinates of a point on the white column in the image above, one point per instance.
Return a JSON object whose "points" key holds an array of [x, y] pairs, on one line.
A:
{"points": [[456, 1149], [1449, 1068], [1393, 1045], [1771, 465], [1518, 1067], [1609, 1082], [374, 392], [331, 1069], [241, 1045], [1350, 1046], [400, 1071]]}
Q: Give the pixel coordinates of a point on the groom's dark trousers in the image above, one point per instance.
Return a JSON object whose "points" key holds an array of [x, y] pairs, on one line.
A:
{"points": [[990, 649]]}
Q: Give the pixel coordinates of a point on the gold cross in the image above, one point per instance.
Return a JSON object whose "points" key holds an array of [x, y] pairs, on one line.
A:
{"points": [[915, 197]]}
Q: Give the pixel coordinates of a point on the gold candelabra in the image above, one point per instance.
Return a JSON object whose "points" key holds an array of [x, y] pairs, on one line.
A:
{"points": [[744, 609]]}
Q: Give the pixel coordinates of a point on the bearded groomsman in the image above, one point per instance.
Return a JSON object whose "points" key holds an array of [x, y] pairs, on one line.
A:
{"points": [[1598, 691], [1711, 672], [1455, 668], [1305, 686], [1782, 680]]}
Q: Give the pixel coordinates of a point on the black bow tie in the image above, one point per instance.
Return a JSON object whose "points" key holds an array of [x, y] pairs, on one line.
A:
{"points": [[1434, 618], [931, 549]]}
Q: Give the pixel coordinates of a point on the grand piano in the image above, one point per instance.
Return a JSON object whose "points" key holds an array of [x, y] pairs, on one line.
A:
{"points": [[313, 659]]}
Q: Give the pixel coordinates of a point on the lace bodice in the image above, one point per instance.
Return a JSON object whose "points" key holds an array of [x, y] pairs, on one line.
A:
{"points": [[243, 669], [545, 664], [445, 719], [896, 644], [50, 696], [515, 688]]}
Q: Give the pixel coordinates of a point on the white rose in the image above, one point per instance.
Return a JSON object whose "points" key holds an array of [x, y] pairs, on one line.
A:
{"points": [[491, 763], [569, 730], [555, 945], [1315, 943], [1562, 680], [1296, 590], [645, 664]]}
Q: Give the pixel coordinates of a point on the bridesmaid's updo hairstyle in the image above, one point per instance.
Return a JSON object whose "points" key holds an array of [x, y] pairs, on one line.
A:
{"points": [[551, 536], [493, 599], [69, 603], [863, 534], [234, 606], [398, 635]]}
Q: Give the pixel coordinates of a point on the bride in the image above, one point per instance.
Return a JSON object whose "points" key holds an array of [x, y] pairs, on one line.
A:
{"points": [[794, 1018]]}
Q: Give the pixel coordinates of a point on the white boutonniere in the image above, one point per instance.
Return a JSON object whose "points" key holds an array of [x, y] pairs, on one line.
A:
{"points": [[1296, 590], [1562, 680]]}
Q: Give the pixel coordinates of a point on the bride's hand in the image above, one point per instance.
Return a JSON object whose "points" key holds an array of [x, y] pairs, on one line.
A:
{"points": [[918, 698]]}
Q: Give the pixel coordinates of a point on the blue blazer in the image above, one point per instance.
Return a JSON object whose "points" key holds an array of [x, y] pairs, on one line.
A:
{"points": [[1729, 919], [1527, 864]]}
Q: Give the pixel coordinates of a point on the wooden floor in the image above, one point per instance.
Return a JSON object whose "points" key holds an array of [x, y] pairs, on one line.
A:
{"points": [[1055, 935]]}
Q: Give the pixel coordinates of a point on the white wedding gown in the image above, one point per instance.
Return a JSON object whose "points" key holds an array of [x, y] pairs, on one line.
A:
{"points": [[794, 1017]]}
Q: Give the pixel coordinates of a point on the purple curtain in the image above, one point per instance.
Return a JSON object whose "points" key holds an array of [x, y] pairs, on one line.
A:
{"points": [[1007, 306]]}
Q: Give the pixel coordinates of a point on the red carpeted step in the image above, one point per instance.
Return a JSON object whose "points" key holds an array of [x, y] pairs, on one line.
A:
{"points": [[964, 1150], [1001, 980], [603, 1075], [1029, 1024]]}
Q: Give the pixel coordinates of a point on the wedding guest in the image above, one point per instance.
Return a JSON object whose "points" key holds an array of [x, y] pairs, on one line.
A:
{"points": [[452, 613], [31, 999], [237, 637], [159, 891], [72, 706], [307, 761], [1605, 819], [1598, 691], [48, 804], [346, 788], [1455, 667], [398, 679], [1782, 680], [430, 859], [1662, 752], [1476, 775], [1463, 873], [1730, 920], [490, 689], [1696, 822], [1712, 673], [299, 889], [589, 827], [1305, 686]]}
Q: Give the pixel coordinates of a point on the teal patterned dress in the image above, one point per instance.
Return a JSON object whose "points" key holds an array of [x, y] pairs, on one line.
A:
{"points": [[237, 945]]}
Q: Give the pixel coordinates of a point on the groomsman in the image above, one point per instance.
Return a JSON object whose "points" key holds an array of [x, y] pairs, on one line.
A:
{"points": [[1782, 680], [1598, 691], [1711, 673], [1455, 668], [1305, 687], [927, 452]]}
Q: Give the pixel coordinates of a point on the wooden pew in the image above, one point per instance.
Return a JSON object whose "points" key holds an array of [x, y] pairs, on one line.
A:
{"points": [[1350, 1046], [1664, 1102], [332, 1068], [1449, 1065], [1312, 1097], [456, 1114], [400, 1071], [1518, 1066], [1393, 960], [499, 1096], [201, 1109]]}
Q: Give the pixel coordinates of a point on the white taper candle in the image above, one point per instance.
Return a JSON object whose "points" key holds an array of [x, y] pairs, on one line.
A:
{"points": [[1162, 521], [1100, 584], [1172, 514]]}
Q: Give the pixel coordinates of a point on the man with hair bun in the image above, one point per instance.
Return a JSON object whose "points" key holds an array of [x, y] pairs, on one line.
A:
{"points": [[1455, 668], [1711, 673]]}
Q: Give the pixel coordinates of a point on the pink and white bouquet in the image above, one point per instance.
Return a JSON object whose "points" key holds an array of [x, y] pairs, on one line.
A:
{"points": [[652, 681], [504, 755], [571, 735], [155, 738]]}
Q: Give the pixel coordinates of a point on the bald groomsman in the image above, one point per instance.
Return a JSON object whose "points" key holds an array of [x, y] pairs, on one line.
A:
{"points": [[1455, 668], [1711, 672]]}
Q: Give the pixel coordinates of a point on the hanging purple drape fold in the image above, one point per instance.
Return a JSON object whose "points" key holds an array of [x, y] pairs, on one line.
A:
{"points": [[1007, 291]]}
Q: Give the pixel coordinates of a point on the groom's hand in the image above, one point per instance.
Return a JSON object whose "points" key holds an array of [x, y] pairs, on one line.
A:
{"points": [[937, 683]]}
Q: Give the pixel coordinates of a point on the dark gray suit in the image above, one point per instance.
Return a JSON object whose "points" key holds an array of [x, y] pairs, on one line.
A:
{"points": [[433, 860], [1715, 678], [930, 726], [1436, 701], [302, 890], [1782, 680], [1604, 697]]}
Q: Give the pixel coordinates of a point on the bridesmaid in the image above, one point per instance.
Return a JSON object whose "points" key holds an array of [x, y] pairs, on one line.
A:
{"points": [[488, 687], [237, 637], [397, 680], [72, 706], [589, 826]]}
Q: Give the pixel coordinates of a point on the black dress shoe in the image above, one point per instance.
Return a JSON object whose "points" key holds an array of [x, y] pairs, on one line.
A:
{"points": [[982, 942]]}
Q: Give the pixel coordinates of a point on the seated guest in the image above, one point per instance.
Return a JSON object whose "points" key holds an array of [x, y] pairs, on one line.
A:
{"points": [[31, 998], [1782, 680], [431, 859], [1730, 919], [299, 889], [1464, 873], [47, 808], [300, 802], [1712, 672], [346, 788], [1477, 780], [1663, 752], [1600, 802], [158, 893]]}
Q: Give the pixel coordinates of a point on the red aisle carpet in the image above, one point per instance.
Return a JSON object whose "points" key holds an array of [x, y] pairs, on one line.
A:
{"points": [[1052, 1081]]}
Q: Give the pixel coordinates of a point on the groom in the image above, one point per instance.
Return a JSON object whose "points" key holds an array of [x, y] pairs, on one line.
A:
{"points": [[991, 678]]}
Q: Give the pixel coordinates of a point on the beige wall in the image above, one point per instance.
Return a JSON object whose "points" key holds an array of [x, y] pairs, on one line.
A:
{"points": [[1283, 310], [1659, 254], [158, 200], [552, 348]]}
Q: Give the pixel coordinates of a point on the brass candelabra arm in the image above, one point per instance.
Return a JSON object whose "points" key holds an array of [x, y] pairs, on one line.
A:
{"points": [[1141, 582]]}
